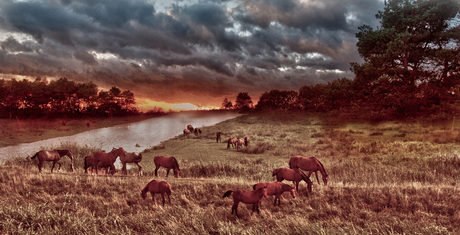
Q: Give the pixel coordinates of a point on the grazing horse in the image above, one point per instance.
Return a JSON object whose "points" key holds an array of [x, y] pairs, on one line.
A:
{"points": [[53, 155], [294, 175], [190, 128], [131, 158], [89, 162], [167, 162], [247, 197], [232, 141], [186, 131], [310, 164], [155, 186], [102, 158], [246, 141], [239, 144], [219, 137], [197, 131], [275, 188]]}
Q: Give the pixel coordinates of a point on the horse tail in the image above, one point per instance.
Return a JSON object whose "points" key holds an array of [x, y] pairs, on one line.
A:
{"points": [[228, 193], [86, 164], [228, 144], [290, 166], [34, 156], [168, 190]]}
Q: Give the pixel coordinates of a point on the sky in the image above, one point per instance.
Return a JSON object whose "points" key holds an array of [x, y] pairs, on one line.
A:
{"points": [[184, 54]]}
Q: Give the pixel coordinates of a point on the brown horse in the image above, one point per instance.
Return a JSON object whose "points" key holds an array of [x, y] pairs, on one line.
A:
{"points": [[247, 197], [186, 131], [190, 128], [197, 131], [239, 144], [232, 141], [294, 175], [276, 188], [155, 186], [131, 158], [53, 155], [310, 164], [102, 158], [89, 162], [167, 162], [246, 141], [219, 137]]}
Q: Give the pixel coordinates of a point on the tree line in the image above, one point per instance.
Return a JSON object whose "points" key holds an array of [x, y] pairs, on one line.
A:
{"points": [[62, 98], [411, 68]]}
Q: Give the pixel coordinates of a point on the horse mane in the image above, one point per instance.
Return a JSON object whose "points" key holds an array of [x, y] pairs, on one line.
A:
{"points": [[228, 193], [35, 155], [324, 169], [177, 163], [305, 177]]}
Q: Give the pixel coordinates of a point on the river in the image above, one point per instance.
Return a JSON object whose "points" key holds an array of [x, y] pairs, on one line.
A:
{"points": [[145, 134]]}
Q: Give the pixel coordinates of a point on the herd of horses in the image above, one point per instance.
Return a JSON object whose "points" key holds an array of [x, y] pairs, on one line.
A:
{"points": [[295, 172]]}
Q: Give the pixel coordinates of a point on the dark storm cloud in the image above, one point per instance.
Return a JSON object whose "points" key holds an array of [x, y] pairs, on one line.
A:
{"points": [[195, 51]]}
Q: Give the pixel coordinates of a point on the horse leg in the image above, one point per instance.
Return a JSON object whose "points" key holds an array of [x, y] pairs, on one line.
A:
{"points": [[124, 168], [40, 165], [153, 197], [156, 170], [235, 208], [59, 169], [53, 167], [316, 173], [140, 168], [169, 197], [167, 172], [163, 197]]}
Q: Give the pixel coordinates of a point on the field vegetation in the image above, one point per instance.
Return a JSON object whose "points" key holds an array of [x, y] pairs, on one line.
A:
{"points": [[384, 178]]}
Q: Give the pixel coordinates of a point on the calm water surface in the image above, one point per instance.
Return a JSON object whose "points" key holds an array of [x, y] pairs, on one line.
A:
{"points": [[146, 133]]}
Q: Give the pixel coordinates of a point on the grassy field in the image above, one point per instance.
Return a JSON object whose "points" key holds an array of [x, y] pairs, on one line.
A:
{"points": [[384, 178]]}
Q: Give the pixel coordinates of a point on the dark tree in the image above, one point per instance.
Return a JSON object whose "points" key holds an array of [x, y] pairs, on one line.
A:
{"points": [[414, 55], [243, 101], [227, 104]]}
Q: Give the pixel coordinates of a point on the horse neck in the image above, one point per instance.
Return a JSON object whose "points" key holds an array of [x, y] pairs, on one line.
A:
{"points": [[321, 168]]}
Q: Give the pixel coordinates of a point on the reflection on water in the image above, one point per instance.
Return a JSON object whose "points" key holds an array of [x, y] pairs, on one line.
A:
{"points": [[146, 133]]}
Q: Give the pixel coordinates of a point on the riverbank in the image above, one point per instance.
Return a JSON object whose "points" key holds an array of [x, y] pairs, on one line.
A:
{"points": [[17, 131]]}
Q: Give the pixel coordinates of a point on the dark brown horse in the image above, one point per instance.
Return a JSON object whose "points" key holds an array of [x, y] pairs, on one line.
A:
{"points": [[247, 197], [168, 163], [197, 131], [131, 158], [276, 188], [310, 164], [246, 141], [239, 143], [190, 128], [219, 137], [294, 175], [89, 162], [155, 186], [102, 158], [53, 155], [232, 141]]}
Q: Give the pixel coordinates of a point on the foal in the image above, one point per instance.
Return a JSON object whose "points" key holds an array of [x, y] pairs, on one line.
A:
{"points": [[155, 186]]}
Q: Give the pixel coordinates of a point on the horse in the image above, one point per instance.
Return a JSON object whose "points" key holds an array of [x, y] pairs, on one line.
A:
{"points": [[197, 131], [310, 164], [53, 155], [89, 162], [167, 162], [186, 131], [276, 188], [218, 137], [190, 128], [246, 141], [247, 197], [102, 158], [155, 186], [131, 158], [232, 141], [239, 143], [294, 175]]}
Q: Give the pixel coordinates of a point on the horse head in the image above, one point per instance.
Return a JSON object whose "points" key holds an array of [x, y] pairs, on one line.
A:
{"points": [[275, 171]]}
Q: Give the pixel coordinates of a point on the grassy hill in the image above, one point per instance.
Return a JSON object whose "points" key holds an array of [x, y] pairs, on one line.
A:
{"points": [[384, 178]]}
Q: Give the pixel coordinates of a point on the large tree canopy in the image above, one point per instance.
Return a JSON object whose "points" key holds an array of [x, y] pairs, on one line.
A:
{"points": [[415, 54]]}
